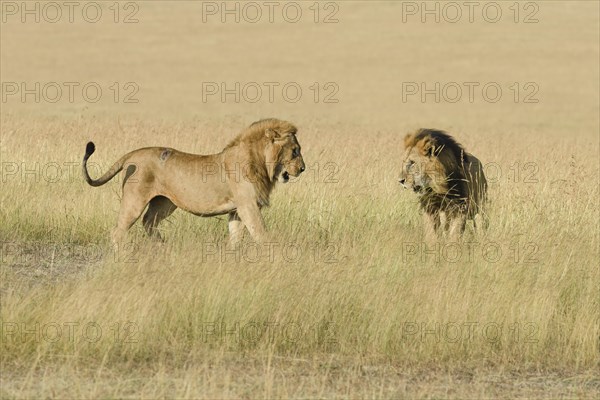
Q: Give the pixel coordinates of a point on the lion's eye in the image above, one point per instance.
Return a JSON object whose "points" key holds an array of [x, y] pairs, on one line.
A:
{"points": [[410, 164], [295, 153]]}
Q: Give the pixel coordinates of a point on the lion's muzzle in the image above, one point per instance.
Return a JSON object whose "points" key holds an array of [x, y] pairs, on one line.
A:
{"points": [[293, 168]]}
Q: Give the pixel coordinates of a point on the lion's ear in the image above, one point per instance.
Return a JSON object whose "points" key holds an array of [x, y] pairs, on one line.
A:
{"points": [[271, 134], [429, 148], [408, 139]]}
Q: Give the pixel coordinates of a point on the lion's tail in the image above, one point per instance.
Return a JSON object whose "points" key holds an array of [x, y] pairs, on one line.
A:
{"points": [[116, 167]]}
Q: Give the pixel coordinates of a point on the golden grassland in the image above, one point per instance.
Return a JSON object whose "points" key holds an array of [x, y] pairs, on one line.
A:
{"points": [[346, 300]]}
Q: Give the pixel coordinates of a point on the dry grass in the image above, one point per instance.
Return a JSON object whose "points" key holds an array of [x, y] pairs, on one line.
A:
{"points": [[347, 301]]}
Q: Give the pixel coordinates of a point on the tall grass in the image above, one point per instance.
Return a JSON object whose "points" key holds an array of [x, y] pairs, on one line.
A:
{"points": [[346, 300], [346, 275]]}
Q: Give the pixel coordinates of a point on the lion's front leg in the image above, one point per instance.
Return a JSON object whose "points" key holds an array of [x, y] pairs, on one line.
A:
{"points": [[431, 223], [444, 222], [236, 229], [253, 220], [457, 227]]}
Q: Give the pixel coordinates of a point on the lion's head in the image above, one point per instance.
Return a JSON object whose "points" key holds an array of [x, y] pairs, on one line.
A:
{"points": [[283, 155], [432, 163], [270, 149]]}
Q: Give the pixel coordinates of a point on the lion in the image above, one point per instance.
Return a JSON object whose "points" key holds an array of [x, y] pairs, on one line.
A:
{"points": [[449, 181], [237, 181]]}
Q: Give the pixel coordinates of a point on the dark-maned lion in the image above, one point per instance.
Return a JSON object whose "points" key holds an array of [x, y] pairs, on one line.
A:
{"points": [[236, 181], [449, 181]]}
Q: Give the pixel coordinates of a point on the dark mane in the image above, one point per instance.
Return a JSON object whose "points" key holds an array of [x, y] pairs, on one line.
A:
{"points": [[444, 140], [457, 184]]}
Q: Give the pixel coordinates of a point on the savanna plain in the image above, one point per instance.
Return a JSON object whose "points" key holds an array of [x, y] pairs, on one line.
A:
{"points": [[346, 300]]}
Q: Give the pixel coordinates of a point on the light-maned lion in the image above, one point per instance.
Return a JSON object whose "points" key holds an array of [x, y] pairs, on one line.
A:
{"points": [[236, 181], [449, 181]]}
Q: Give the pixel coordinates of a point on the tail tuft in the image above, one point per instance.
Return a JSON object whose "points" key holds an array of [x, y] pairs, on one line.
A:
{"points": [[90, 149]]}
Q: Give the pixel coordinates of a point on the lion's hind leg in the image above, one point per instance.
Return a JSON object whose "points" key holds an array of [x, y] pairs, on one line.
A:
{"points": [[159, 208], [132, 206], [481, 223]]}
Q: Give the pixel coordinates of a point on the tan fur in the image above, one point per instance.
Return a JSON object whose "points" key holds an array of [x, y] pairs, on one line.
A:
{"points": [[449, 181], [237, 181]]}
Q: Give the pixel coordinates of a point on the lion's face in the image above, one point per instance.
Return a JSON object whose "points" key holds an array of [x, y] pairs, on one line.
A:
{"points": [[284, 154], [422, 170]]}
